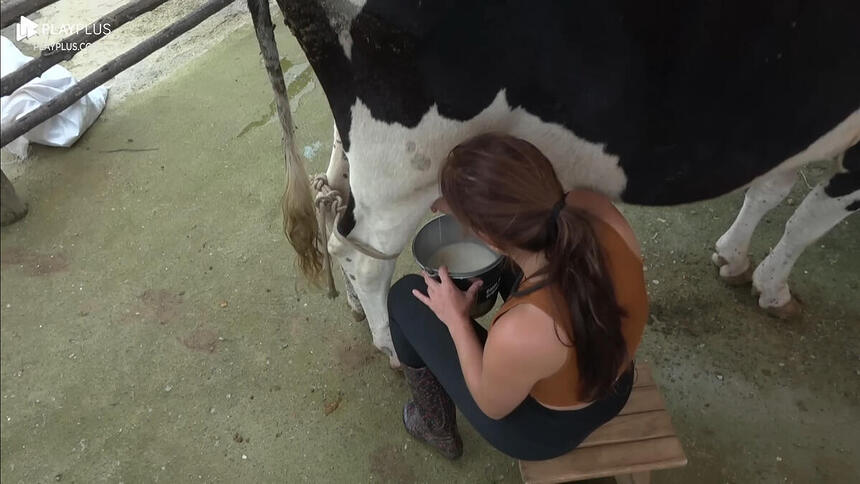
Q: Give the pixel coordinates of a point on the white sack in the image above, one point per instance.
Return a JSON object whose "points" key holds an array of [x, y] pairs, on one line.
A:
{"points": [[62, 129]]}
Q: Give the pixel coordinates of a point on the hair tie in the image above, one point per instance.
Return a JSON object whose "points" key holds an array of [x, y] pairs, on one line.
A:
{"points": [[552, 233], [558, 207]]}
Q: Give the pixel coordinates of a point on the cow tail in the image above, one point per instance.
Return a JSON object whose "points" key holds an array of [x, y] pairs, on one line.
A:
{"points": [[300, 224]]}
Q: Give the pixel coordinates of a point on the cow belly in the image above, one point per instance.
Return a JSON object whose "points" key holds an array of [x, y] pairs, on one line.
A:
{"points": [[409, 158], [405, 159]]}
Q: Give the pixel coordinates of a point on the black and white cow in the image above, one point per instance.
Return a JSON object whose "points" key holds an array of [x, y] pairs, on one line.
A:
{"points": [[650, 102]]}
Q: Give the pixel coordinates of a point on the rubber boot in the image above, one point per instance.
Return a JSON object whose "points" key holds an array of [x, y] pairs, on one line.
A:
{"points": [[431, 416]]}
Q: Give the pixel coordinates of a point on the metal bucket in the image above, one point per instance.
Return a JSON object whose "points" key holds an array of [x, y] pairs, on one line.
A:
{"points": [[445, 230]]}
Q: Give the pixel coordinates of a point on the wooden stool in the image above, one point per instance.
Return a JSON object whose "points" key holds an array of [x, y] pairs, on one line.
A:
{"points": [[637, 441]]}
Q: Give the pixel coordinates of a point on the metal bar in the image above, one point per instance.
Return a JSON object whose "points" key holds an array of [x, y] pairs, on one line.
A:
{"points": [[109, 70], [93, 32], [11, 11]]}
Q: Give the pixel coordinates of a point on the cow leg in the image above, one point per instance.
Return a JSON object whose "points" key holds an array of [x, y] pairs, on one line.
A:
{"points": [[352, 297], [387, 231], [824, 207], [732, 249], [371, 279], [337, 175]]}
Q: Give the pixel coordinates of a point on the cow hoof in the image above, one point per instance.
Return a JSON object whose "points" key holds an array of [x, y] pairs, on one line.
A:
{"points": [[736, 280], [790, 310], [741, 279], [357, 316], [393, 360]]}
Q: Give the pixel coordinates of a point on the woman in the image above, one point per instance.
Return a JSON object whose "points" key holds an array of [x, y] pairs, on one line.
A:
{"points": [[556, 362]]}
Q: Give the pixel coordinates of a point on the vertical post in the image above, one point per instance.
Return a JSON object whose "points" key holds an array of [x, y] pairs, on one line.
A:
{"points": [[12, 208]]}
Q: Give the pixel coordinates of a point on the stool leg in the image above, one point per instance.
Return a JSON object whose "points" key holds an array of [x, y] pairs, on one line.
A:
{"points": [[635, 478]]}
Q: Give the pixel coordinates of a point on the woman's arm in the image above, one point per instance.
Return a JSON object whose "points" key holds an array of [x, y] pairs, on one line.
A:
{"points": [[522, 346], [521, 349]]}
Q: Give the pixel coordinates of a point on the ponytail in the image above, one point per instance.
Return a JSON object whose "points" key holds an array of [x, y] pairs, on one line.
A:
{"points": [[577, 265], [503, 187]]}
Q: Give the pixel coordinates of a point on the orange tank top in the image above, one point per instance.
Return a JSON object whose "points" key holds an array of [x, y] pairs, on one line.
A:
{"points": [[561, 389]]}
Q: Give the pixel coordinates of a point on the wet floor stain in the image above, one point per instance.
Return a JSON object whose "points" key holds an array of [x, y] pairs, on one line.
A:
{"points": [[299, 76], [34, 263], [265, 118], [299, 81]]}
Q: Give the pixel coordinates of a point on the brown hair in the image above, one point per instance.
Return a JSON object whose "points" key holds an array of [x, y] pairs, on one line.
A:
{"points": [[505, 189]]}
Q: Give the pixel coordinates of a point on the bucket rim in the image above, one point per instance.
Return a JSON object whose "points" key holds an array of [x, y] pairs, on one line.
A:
{"points": [[455, 275]]}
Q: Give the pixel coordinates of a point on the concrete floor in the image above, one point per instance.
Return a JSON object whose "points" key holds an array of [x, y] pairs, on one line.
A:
{"points": [[154, 328]]}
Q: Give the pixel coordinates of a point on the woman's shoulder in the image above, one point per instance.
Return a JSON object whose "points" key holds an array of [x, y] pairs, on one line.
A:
{"points": [[602, 209], [523, 318], [526, 331], [528, 323]]}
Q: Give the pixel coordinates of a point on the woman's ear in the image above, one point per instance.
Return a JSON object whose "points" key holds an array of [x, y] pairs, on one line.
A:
{"points": [[440, 205]]}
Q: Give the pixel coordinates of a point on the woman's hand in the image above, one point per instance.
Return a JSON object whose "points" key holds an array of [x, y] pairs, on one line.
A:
{"points": [[448, 302]]}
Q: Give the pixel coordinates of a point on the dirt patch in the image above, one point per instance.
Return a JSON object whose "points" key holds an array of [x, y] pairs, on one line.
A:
{"points": [[34, 263], [161, 305], [201, 340], [353, 356], [332, 405], [387, 465]]}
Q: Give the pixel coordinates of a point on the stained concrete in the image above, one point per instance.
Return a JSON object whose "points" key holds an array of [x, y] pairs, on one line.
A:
{"points": [[154, 328]]}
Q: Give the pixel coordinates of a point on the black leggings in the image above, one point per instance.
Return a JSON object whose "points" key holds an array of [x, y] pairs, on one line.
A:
{"points": [[529, 432]]}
